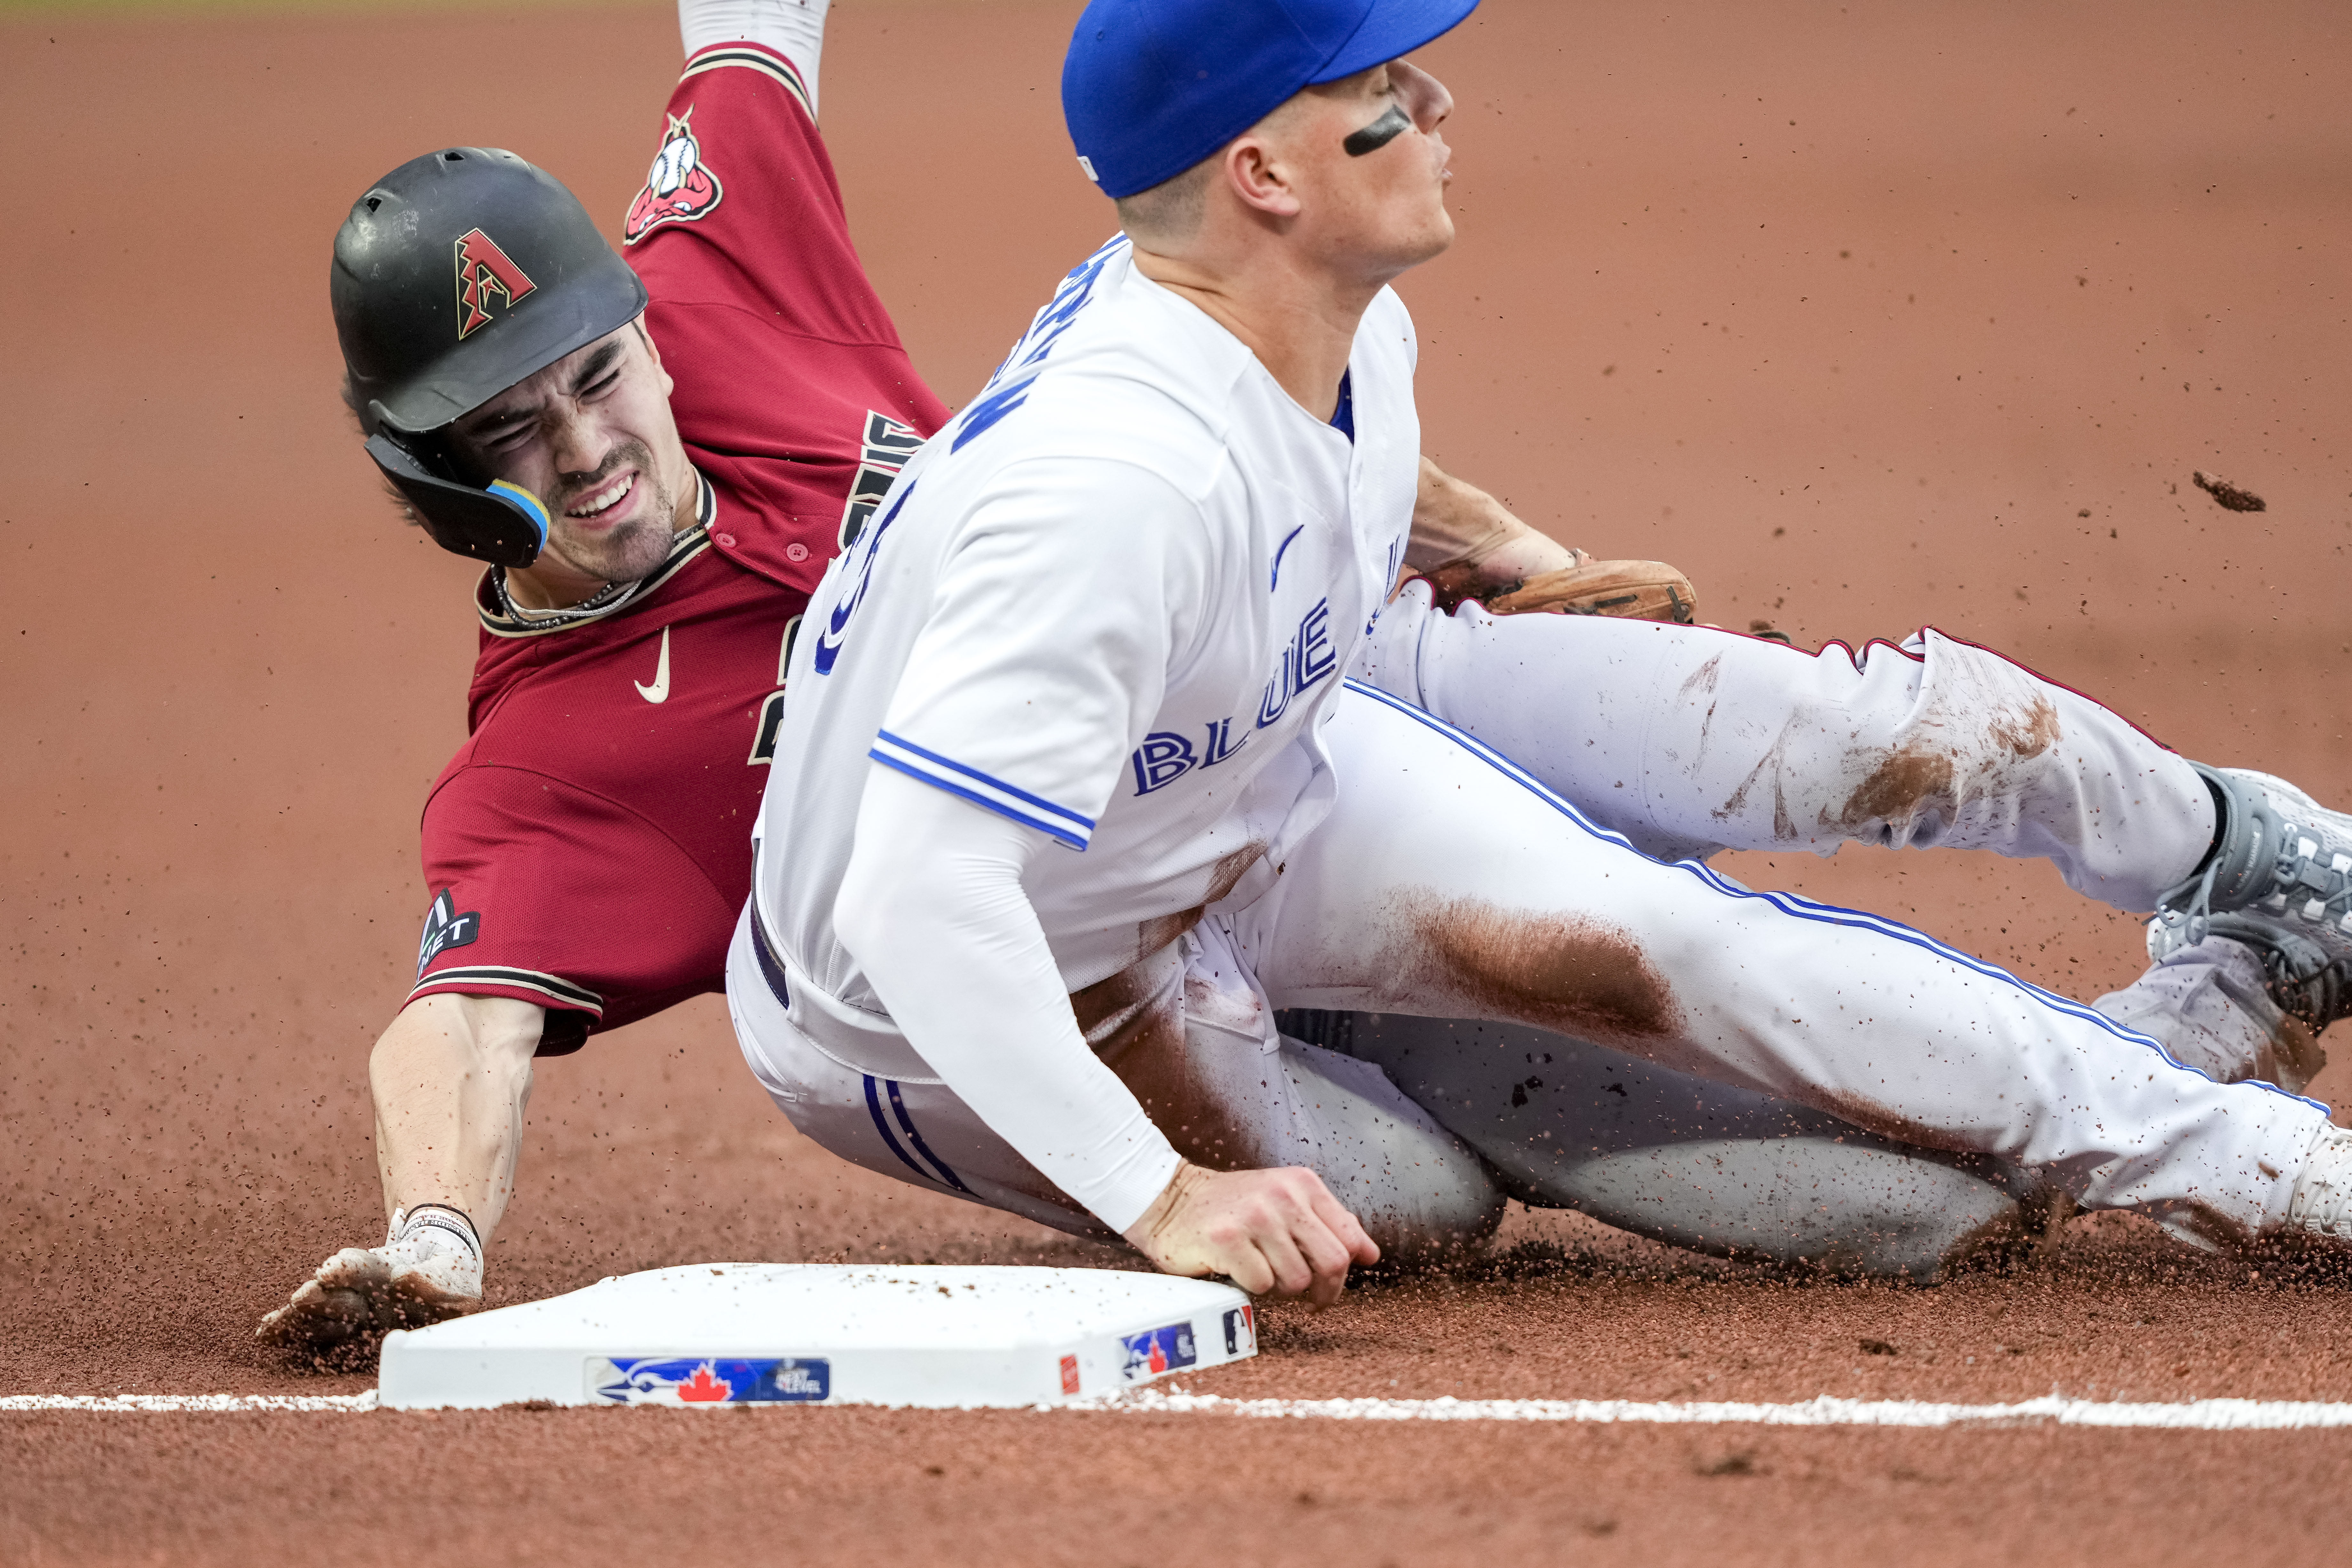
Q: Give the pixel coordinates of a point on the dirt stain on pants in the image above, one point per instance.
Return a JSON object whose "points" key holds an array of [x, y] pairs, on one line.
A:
{"points": [[1567, 972], [1942, 770], [1135, 1022]]}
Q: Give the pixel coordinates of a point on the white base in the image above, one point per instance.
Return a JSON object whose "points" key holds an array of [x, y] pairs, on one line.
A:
{"points": [[736, 1333]]}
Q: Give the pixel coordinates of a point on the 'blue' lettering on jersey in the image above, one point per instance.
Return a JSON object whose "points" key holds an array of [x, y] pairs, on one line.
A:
{"points": [[1164, 757], [1308, 660], [1160, 761]]}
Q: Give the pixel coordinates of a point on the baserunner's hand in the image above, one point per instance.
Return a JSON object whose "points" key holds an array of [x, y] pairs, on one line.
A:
{"points": [[1278, 1231], [403, 1284]]}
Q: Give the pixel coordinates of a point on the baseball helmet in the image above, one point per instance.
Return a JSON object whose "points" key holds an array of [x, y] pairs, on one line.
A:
{"points": [[455, 275]]}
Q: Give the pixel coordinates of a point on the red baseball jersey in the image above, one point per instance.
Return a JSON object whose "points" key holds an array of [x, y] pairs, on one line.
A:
{"points": [[589, 846]]}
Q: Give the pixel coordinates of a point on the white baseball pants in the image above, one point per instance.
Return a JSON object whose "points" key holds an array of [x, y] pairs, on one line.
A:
{"points": [[1687, 740], [1449, 883], [1416, 1187]]}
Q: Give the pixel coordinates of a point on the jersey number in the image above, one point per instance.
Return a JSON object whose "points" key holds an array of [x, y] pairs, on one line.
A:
{"points": [[772, 711], [764, 739]]}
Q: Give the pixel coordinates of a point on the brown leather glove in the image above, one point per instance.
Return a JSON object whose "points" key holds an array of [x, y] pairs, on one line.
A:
{"points": [[1631, 589]]}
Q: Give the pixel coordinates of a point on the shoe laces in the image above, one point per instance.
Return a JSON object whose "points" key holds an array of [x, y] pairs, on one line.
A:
{"points": [[2324, 891], [2300, 974], [2198, 912]]}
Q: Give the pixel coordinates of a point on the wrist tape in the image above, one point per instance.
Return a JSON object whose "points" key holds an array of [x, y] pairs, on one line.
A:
{"points": [[406, 1222]]}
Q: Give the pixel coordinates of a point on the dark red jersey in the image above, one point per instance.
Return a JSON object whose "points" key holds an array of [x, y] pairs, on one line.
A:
{"points": [[589, 848]]}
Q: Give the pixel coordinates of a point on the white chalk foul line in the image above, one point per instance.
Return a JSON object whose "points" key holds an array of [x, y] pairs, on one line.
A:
{"points": [[2199, 1415], [170, 1403]]}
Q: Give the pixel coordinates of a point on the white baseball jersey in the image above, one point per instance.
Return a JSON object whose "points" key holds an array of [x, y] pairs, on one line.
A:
{"points": [[1112, 600]]}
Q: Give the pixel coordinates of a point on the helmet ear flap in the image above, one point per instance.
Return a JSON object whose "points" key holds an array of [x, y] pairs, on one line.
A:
{"points": [[505, 525]]}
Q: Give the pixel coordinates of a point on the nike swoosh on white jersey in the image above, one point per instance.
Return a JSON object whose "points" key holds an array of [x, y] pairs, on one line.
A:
{"points": [[659, 691]]}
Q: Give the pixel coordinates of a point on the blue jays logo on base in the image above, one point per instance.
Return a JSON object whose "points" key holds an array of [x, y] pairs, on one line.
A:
{"points": [[1156, 1351], [709, 1380]]}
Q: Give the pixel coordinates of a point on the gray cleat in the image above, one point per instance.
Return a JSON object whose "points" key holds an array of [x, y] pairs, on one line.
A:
{"points": [[2279, 880]]}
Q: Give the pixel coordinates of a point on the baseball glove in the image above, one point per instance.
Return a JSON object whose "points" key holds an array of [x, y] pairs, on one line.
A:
{"points": [[1631, 589]]}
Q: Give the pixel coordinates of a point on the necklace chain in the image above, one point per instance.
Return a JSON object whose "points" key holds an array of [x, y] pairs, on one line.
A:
{"points": [[612, 596]]}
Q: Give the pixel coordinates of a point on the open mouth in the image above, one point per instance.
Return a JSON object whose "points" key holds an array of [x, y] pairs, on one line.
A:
{"points": [[605, 500]]}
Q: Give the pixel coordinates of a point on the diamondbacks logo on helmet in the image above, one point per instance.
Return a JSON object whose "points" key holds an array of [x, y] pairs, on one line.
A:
{"points": [[679, 187], [483, 270]]}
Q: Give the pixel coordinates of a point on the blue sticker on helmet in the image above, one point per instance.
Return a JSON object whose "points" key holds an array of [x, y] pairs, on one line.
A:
{"points": [[523, 502]]}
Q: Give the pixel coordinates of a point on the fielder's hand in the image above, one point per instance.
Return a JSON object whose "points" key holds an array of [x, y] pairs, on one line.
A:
{"points": [[1467, 545], [1265, 1230], [1631, 589]]}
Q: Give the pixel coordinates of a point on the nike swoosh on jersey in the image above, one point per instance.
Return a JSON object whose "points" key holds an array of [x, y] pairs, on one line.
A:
{"points": [[1273, 578], [659, 691]]}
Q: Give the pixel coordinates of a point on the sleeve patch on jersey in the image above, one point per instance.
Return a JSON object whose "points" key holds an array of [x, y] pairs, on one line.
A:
{"points": [[445, 928], [1056, 821], [679, 188]]}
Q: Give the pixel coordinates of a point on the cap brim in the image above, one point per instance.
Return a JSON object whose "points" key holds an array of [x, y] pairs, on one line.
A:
{"points": [[1394, 28]]}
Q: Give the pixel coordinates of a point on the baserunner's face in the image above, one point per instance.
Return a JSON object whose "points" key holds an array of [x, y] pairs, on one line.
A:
{"points": [[1381, 208], [592, 436]]}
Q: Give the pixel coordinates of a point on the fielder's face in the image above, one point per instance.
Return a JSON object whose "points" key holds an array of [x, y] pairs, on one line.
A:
{"points": [[592, 436], [1381, 212]]}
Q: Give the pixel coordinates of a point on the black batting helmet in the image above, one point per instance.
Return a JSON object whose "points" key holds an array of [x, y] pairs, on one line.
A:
{"points": [[457, 275]]}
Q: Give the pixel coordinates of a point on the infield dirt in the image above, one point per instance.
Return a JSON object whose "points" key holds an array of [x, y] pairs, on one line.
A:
{"points": [[1866, 315]]}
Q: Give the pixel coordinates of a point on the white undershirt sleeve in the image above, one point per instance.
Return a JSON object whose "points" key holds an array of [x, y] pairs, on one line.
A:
{"points": [[933, 910], [794, 28]]}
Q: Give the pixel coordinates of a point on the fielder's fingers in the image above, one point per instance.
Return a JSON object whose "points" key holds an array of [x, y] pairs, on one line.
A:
{"points": [[1326, 1253], [1240, 1261], [1307, 1227], [1329, 1256], [1344, 1225], [1276, 1239]]}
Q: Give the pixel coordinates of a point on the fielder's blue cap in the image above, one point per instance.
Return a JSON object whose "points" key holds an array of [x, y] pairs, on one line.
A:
{"points": [[1152, 87]]}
